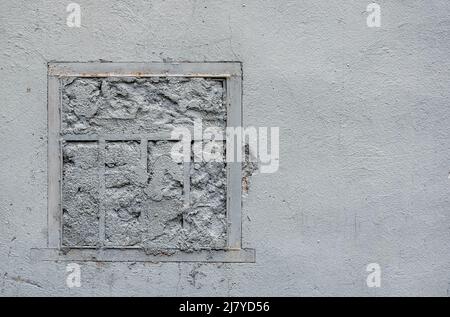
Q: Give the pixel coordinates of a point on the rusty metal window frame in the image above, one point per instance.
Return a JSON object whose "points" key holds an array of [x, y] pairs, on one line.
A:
{"points": [[230, 73]]}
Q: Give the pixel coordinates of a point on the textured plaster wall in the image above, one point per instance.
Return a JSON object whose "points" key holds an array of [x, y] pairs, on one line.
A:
{"points": [[136, 184], [364, 141]]}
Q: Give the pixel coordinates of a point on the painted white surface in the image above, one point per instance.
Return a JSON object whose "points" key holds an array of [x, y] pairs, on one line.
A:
{"points": [[364, 151]]}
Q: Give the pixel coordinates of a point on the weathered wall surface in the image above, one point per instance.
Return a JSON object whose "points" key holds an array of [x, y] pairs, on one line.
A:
{"points": [[132, 193], [364, 141]]}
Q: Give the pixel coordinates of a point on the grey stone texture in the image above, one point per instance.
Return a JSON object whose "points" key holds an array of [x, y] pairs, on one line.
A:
{"points": [[140, 105], [125, 202], [145, 211], [144, 188], [364, 141], [80, 191], [206, 223]]}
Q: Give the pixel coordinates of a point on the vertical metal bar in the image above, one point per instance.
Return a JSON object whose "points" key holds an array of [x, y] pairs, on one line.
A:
{"points": [[144, 157], [54, 217], [234, 174], [187, 183], [102, 190]]}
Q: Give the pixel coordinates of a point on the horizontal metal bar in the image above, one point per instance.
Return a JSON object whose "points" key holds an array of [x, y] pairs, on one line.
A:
{"points": [[132, 137], [127, 74], [184, 69], [120, 137], [139, 255]]}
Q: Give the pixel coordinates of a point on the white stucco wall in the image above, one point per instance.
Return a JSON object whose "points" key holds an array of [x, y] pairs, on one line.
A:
{"points": [[364, 141]]}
